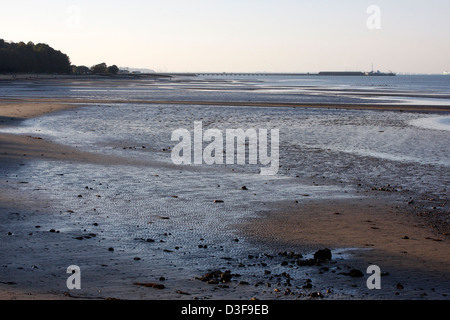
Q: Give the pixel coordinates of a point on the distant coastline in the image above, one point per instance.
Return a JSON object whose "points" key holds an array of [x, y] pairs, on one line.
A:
{"points": [[42, 76]]}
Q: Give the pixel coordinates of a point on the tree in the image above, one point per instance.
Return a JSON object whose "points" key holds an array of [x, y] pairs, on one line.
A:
{"points": [[113, 69], [21, 57], [99, 68]]}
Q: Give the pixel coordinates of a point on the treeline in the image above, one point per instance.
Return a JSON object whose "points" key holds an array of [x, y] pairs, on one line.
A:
{"points": [[101, 68], [30, 57], [41, 58]]}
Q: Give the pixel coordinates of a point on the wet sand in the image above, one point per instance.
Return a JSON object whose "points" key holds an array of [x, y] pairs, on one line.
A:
{"points": [[375, 229]]}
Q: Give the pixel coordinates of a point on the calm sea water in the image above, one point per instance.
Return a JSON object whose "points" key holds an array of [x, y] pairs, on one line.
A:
{"points": [[425, 90]]}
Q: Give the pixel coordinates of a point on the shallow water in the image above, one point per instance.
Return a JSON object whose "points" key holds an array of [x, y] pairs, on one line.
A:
{"points": [[402, 89], [338, 148]]}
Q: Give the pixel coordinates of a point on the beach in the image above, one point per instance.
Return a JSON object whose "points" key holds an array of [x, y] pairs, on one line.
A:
{"points": [[268, 253]]}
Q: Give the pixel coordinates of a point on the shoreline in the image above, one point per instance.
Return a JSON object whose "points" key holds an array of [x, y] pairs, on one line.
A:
{"points": [[376, 223]]}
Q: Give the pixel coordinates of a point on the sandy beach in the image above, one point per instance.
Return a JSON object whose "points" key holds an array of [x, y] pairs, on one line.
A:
{"points": [[374, 229]]}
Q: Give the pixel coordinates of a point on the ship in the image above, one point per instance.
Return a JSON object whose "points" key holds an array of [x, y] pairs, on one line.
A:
{"points": [[355, 73]]}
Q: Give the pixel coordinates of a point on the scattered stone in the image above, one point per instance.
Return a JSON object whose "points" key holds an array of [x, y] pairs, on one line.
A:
{"points": [[405, 237], [218, 201], [243, 283], [244, 188], [399, 286], [110, 249]]}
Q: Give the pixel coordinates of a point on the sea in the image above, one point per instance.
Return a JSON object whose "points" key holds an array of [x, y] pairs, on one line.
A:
{"points": [[324, 153]]}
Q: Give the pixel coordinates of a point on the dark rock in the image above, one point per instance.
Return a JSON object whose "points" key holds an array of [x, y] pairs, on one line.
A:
{"points": [[182, 292], [316, 295], [226, 276], [355, 273], [307, 262], [323, 255], [210, 275], [213, 281]]}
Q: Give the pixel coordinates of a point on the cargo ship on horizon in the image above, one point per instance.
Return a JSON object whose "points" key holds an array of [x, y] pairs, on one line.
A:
{"points": [[356, 73]]}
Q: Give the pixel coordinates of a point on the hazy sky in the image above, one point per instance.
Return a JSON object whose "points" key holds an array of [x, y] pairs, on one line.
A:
{"points": [[240, 36]]}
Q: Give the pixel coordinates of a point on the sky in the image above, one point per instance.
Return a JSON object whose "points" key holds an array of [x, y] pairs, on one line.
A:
{"points": [[239, 35]]}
